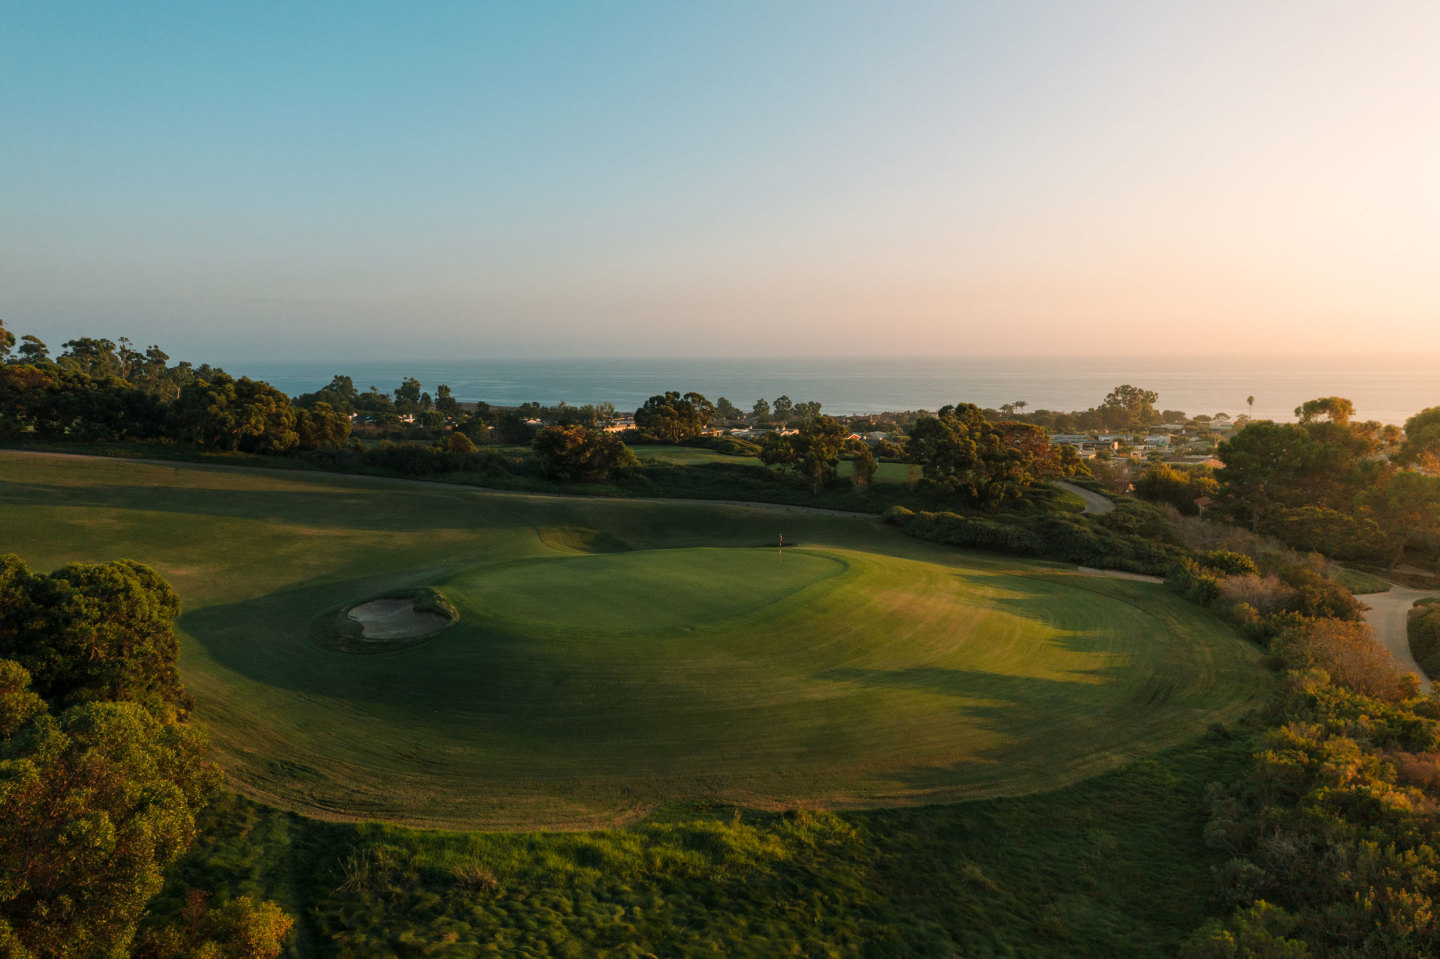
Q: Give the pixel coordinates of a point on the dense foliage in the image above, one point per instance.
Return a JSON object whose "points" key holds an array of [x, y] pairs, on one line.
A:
{"points": [[963, 453], [671, 417], [99, 390], [101, 779], [1424, 629], [1333, 836], [1053, 535], [579, 455], [1332, 485], [812, 452]]}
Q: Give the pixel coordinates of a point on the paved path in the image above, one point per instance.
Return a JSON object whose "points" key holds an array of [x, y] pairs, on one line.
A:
{"points": [[1387, 615], [1094, 502]]}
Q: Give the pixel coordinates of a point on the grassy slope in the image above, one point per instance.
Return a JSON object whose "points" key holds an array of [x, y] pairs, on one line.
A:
{"points": [[1112, 866], [871, 668]]}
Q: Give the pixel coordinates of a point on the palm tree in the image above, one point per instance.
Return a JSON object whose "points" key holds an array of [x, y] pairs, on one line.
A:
{"points": [[1251, 400], [1020, 406]]}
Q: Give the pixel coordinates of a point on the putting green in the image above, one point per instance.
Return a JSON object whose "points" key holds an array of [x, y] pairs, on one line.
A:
{"points": [[612, 655], [650, 591]]}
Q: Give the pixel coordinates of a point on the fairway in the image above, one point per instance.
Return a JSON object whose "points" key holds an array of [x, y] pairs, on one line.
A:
{"points": [[614, 655]]}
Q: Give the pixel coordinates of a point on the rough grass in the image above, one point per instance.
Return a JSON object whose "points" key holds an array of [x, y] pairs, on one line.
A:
{"points": [[584, 688], [1113, 866]]}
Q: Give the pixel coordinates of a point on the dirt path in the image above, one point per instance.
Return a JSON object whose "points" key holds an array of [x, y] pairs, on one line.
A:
{"points": [[1387, 615], [1094, 502]]}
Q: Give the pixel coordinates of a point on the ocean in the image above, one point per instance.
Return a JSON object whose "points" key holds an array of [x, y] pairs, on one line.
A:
{"points": [[1389, 391]]}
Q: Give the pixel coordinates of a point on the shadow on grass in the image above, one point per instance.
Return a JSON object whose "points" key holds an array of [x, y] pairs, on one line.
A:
{"points": [[334, 507]]}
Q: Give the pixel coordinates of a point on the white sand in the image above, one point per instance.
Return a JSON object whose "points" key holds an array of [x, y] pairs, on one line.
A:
{"points": [[395, 619]]}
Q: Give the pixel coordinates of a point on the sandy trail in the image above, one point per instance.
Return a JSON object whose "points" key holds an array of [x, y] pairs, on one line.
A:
{"points": [[1387, 615], [1094, 502]]}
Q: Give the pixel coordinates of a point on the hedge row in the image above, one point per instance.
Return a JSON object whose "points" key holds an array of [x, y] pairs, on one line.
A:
{"points": [[1060, 536]]}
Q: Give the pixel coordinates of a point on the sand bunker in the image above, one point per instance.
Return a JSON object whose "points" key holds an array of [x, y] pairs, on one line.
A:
{"points": [[396, 619]]}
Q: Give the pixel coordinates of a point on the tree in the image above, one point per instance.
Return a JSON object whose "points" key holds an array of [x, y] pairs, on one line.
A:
{"points": [[475, 428], [782, 408], [962, 453], [671, 417], [407, 395], [1266, 464], [1250, 402], [32, 350], [1327, 409], [100, 777], [863, 465], [93, 632], [1069, 462], [445, 402], [97, 800], [1422, 440], [726, 409], [238, 929], [1162, 483], [1129, 407], [7, 340], [457, 442], [812, 452], [235, 414], [1406, 508], [96, 357], [577, 454], [322, 428], [806, 410], [25, 395], [761, 409]]}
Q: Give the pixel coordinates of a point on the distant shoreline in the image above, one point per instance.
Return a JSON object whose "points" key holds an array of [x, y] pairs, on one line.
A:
{"points": [[1378, 389]]}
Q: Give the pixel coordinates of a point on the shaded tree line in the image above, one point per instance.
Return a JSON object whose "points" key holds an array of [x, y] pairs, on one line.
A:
{"points": [[98, 389]]}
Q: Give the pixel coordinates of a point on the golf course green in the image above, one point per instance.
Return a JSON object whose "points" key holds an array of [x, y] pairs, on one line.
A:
{"points": [[611, 656]]}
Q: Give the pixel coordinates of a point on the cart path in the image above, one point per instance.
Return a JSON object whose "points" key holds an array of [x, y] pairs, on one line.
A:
{"points": [[1094, 502], [1387, 616]]}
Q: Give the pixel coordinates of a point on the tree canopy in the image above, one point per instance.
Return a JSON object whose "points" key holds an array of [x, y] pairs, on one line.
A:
{"points": [[963, 453], [96, 632], [578, 454], [812, 452], [671, 417], [1129, 407], [100, 777]]}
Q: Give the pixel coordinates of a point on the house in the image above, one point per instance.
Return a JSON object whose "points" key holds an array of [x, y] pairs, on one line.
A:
{"points": [[1157, 440]]}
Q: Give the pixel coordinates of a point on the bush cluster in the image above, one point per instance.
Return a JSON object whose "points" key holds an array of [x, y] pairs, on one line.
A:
{"points": [[1424, 627], [1072, 539]]}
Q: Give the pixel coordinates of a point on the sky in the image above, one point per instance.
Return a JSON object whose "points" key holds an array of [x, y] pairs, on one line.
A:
{"points": [[366, 180]]}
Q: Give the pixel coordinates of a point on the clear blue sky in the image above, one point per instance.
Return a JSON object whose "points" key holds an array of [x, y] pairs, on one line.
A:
{"points": [[352, 180]]}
